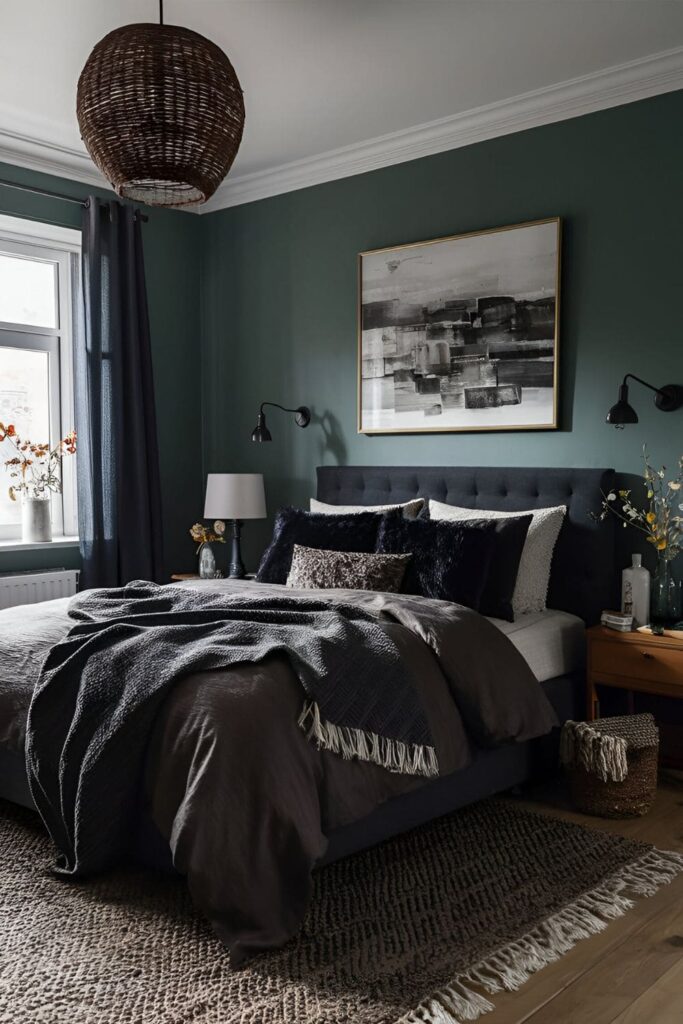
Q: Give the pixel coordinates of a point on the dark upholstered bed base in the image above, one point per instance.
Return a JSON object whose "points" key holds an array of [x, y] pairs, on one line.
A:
{"points": [[493, 771]]}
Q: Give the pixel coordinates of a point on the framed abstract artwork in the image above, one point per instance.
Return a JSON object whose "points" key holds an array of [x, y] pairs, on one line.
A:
{"points": [[461, 333]]}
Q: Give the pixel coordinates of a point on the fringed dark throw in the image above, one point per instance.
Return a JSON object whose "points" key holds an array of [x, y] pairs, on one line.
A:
{"points": [[100, 689]]}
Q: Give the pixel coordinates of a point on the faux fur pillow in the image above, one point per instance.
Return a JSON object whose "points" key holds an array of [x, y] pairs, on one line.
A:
{"points": [[533, 577], [331, 532], [499, 589], [450, 560], [410, 509], [346, 570]]}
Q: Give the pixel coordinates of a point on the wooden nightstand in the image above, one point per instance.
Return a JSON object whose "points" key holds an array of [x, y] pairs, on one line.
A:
{"points": [[180, 576], [636, 662]]}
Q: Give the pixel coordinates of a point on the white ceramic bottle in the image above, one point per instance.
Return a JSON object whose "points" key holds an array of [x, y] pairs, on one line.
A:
{"points": [[635, 591]]}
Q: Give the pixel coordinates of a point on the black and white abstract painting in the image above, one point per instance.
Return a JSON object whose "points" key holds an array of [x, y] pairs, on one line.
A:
{"points": [[461, 333]]}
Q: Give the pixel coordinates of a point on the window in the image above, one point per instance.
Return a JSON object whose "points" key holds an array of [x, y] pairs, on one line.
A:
{"points": [[36, 360]]}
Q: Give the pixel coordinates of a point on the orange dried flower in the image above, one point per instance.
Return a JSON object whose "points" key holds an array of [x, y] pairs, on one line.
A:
{"points": [[44, 476]]}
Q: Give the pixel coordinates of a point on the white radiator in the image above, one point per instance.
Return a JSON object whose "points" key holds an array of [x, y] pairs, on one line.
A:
{"points": [[31, 587]]}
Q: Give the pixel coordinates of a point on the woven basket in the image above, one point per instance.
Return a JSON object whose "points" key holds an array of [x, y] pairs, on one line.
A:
{"points": [[612, 765], [161, 113]]}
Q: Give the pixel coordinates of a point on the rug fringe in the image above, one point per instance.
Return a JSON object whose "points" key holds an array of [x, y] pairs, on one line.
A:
{"points": [[396, 756], [511, 966]]}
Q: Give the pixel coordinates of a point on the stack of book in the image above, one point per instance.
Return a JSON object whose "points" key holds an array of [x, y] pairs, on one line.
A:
{"points": [[621, 621]]}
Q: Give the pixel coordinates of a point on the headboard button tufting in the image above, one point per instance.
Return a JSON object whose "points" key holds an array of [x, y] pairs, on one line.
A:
{"points": [[583, 579]]}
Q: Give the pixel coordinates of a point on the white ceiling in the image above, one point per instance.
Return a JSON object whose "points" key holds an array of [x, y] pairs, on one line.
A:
{"points": [[322, 74]]}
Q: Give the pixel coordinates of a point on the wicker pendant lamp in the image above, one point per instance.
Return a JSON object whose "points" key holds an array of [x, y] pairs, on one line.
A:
{"points": [[161, 113]]}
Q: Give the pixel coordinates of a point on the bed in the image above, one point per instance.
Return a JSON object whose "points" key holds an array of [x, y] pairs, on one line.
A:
{"points": [[582, 583]]}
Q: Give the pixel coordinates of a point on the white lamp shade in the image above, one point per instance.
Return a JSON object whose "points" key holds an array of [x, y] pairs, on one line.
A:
{"points": [[235, 496]]}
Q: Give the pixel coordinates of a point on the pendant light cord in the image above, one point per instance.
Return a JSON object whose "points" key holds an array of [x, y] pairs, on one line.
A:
{"points": [[161, 12]]}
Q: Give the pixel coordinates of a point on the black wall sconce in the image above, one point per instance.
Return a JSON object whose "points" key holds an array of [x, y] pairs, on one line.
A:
{"points": [[667, 399], [302, 416]]}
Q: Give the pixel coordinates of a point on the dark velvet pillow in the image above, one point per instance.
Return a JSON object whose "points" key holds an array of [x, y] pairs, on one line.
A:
{"points": [[350, 532], [450, 560], [507, 553]]}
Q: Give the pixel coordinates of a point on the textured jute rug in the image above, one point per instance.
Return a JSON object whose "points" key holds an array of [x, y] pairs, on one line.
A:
{"points": [[424, 928]]}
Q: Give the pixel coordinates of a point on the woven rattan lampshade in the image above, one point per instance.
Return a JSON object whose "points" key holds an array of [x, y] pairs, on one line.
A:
{"points": [[161, 112]]}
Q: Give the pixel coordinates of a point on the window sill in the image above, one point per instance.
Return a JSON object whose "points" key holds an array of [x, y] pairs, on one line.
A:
{"points": [[56, 542]]}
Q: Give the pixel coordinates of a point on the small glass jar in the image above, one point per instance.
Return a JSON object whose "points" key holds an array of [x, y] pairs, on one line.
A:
{"points": [[207, 563]]}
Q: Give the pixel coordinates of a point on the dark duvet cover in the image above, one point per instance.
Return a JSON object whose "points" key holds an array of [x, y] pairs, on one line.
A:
{"points": [[244, 799]]}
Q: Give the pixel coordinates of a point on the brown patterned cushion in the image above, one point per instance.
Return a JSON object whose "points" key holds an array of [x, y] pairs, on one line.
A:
{"points": [[316, 569]]}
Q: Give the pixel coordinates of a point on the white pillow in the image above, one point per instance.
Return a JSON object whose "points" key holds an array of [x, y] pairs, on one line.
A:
{"points": [[411, 509], [533, 576]]}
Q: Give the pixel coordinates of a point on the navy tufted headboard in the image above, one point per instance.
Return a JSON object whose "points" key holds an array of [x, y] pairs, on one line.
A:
{"points": [[583, 579]]}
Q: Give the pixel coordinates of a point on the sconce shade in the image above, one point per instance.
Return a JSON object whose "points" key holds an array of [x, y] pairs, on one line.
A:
{"points": [[235, 496], [622, 413], [261, 432]]}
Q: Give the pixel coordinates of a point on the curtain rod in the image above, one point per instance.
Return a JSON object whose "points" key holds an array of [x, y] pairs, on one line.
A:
{"points": [[55, 195]]}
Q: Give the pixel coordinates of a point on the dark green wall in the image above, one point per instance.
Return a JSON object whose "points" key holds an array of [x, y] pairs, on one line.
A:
{"points": [[279, 297], [173, 264], [277, 283]]}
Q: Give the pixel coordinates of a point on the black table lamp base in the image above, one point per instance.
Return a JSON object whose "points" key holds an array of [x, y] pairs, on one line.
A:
{"points": [[236, 567]]}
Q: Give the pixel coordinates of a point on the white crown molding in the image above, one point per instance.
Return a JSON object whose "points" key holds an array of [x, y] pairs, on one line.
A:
{"points": [[611, 87], [31, 143]]}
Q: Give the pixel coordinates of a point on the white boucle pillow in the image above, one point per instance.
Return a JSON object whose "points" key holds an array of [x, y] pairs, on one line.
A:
{"points": [[533, 576], [411, 509]]}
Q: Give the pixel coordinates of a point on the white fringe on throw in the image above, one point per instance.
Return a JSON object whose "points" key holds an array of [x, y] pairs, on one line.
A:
{"points": [[583, 746], [512, 965], [396, 756]]}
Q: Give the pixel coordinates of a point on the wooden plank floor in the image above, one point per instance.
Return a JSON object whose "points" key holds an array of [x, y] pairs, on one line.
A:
{"points": [[632, 973]]}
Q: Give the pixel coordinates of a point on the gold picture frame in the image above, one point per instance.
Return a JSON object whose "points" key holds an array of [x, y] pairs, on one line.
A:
{"points": [[461, 347]]}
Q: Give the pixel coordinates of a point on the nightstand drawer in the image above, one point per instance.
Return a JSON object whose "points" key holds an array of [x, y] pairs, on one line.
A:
{"points": [[638, 661]]}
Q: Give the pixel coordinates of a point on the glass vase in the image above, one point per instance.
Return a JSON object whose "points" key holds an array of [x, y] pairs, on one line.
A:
{"points": [[207, 563], [665, 598]]}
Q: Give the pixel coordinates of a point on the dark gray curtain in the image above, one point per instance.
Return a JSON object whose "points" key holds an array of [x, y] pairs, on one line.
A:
{"points": [[119, 502]]}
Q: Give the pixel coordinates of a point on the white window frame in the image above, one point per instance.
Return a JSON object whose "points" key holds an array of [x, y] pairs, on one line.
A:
{"points": [[60, 246]]}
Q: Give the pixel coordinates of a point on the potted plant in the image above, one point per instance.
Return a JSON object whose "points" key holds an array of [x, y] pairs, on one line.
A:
{"points": [[661, 522], [35, 470]]}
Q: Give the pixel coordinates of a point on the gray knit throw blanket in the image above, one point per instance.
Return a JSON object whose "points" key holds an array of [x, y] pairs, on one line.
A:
{"points": [[99, 690]]}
